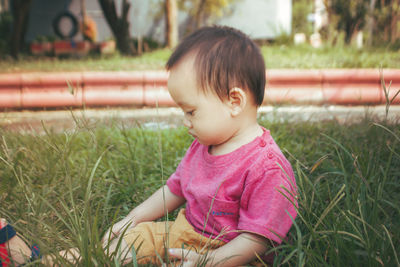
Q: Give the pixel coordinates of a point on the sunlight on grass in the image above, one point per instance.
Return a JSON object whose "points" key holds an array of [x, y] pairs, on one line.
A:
{"points": [[149, 61], [306, 57], [276, 56]]}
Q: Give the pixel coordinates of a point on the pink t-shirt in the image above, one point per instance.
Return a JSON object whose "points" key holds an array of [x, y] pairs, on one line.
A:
{"points": [[244, 190]]}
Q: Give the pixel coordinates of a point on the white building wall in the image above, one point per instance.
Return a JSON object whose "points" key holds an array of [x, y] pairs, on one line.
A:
{"points": [[147, 19], [260, 19], [283, 20]]}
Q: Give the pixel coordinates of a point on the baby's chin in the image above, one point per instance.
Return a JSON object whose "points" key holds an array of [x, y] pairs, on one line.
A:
{"points": [[201, 141], [204, 143]]}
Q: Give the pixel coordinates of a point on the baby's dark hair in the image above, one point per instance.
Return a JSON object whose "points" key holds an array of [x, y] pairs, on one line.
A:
{"points": [[224, 58]]}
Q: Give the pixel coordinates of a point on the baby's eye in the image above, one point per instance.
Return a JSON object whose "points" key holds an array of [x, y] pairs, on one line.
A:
{"points": [[190, 113]]}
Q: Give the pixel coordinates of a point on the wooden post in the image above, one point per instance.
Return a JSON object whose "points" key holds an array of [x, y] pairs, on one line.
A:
{"points": [[4, 6], [83, 10], [171, 23], [371, 22]]}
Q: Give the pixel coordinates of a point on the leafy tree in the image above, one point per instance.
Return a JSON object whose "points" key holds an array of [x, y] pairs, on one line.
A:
{"points": [[386, 15], [202, 12], [380, 19], [349, 16], [300, 11]]}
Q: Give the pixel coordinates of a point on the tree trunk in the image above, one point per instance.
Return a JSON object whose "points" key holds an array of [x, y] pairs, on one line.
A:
{"points": [[20, 12], [83, 10], [347, 36], [119, 25], [171, 23], [199, 14], [4, 6], [394, 21], [371, 22]]}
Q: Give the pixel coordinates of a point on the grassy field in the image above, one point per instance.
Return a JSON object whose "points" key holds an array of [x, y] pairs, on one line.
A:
{"points": [[276, 56], [64, 190]]}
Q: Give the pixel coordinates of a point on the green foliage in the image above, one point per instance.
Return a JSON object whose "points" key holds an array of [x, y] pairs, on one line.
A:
{"points": [[348, 193], [68, 188], [373, 17], [64, 190], [211, 8], [387, 27], [306, 57], [348, 16], [300, 11], [276, 56], [204, 12], [283, 39]]}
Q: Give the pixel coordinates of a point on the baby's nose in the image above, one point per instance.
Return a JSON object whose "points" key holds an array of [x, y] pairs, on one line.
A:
{"points": [[187, 123]]}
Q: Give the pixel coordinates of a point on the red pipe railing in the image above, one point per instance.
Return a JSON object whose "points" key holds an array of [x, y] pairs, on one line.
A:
{"points": [[331, 86], [148, 88]]}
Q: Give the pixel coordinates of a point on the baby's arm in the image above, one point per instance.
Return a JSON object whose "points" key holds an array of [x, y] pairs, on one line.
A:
{"points": [[149, 210], [239, 251], [153, 207]]}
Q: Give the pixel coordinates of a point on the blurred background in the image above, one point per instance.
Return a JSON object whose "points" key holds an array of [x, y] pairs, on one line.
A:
{"points": [[131, 27]]}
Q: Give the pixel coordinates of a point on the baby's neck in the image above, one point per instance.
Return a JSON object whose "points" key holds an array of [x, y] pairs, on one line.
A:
{"points": [[242, 137]]}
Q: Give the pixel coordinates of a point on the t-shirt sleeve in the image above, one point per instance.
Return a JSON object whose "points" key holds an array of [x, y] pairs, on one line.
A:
{"points": [[265, 205], [174, 181]]}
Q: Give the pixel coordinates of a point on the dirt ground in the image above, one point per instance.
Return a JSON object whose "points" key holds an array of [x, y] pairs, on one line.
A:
{"points": [[65, 120]]}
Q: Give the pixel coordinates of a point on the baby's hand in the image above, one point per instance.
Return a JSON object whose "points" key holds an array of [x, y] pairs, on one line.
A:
{"points": [[188, 257], [116, 230]]}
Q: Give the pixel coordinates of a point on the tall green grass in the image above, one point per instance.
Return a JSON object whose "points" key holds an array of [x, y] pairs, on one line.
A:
{"points": [[65, 190]]}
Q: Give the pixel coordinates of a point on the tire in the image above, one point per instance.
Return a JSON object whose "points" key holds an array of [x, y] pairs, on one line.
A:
{"points": [[57, 25]]}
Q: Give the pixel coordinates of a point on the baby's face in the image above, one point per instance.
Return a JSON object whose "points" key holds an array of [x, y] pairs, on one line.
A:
{"points": [[207, 118]]}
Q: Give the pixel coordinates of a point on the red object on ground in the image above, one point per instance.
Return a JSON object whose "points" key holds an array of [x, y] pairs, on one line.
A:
{"points": [[41, 48], [149, 88], [71, 47], [4, 257]]}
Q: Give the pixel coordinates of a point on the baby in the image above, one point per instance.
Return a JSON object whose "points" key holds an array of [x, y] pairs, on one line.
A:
{"points": [[238, 187]]}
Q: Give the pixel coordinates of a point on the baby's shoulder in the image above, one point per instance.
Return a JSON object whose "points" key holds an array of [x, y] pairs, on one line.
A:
{"points": [[269, 156], [270, 161]]}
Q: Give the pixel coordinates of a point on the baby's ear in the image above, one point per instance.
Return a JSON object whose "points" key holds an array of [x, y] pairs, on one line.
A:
{"points": [[237, 100]]}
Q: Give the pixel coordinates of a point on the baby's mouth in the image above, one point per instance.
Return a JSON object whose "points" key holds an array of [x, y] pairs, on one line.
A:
{"points": [[192, 134]]}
